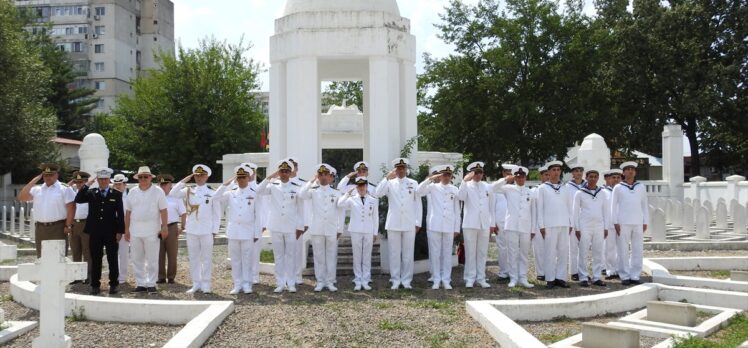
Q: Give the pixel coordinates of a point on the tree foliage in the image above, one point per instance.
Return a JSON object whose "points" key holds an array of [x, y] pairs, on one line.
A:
{"points": [[197, 108], [344, 92]]}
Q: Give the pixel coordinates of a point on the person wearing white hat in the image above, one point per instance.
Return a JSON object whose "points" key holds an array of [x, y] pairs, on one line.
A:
{"points": [[500, 218], [360, 169], [576, 183], [327, 223], [477, 222], [262, 212], [119, 183], [612, 178], [519, 224], [554, 222], [403, 221], [538, 243], [630, 215], [363, 227], [443, 221], [299, 261], [146, 220], [242, 226], [203, 223], [285, 223], [591, 215]]}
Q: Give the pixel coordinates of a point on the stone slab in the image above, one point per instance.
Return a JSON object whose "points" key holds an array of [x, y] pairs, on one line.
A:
{"points": [[596, 335], [15, 329], [675, 313], [739, 276]]}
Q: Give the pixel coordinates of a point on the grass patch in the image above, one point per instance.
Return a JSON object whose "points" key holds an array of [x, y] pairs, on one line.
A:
{"points": [[8, 262], [4, 326], [430, 304], [383, 305], [6, 298], [266, 256], [720, 274], [392, 325], [554, 337], [562, 319], [79, 314], [701, 315], [437, 340], [734, 334]]}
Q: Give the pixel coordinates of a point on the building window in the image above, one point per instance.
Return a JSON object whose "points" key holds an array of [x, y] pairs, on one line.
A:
{"points": [[82, 30], [100, 104], [100, 85], [100, 30], [100, 11], [69, 31], [77, 47], [99, 48], [99, 67]]}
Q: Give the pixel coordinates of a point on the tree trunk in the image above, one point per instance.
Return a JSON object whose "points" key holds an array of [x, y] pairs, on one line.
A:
{"points": [[694, 145]]}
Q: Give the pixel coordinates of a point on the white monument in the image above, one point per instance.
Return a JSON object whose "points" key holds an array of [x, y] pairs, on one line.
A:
{"points": [[592, 154], [341, 40], [53, 273], [93, 153]]}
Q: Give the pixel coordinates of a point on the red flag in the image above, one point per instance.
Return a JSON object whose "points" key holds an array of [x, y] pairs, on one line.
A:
{"points": [[263, 140]]}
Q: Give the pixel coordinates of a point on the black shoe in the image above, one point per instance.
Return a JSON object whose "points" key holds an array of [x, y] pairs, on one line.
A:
{"points": [[503, 279], [170, 281], [86, 282], [635, 282], [611, 277], [604, 271], [113, 290], [561, 284], [95, 291], [540, 278], [626, 282], [599, 283], [584, 284], [76, 282], [575, 277], [161, 281], [140, 289], [550, 285], [151, 289]]}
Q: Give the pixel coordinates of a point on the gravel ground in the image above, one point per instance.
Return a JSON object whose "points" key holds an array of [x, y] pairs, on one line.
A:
{"points": [[417, 318]]}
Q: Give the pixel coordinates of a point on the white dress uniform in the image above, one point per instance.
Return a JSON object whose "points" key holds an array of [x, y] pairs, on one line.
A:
{"points": [[363, 226], [443, 221], [242, 228], [518, 228], [123, 249], [554, 215], [203, 223], [630, 209], [611, 248], [261, 210], [591, 216], [145, 208], [573, 241], [286, 216], [500, 206], [403, 217], [327, 220], [299, 261], [478, 217], [538, 243]]}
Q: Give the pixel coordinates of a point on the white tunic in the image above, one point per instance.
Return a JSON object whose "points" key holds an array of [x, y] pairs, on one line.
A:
{"points": [[327, 219], [630, 205], [478, 210], [242, 222], [175, 209], [554, 205], [286, 209], [591, 210], [204, 217], [405, 208], [364, 213], [50, 201], [145, 210], [443, 213], [520, 203]]}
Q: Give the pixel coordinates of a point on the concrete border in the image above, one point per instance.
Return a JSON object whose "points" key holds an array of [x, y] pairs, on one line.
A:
{"points": [[508, 333], [6, 272], [15, 329], [703, 263], [696, 245], [658, 269], [201, 318]]}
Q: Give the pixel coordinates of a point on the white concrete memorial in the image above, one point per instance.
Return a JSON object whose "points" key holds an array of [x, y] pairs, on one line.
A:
{"points": [[53, 272], [702, 223], [93, 153], [658, 230], [721, 214]]}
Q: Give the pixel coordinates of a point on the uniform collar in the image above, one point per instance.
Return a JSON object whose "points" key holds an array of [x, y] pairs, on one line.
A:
{"points": [[55, 185]]}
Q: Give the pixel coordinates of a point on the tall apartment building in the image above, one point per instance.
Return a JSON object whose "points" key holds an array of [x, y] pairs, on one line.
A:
{"points": [[110, 42]]}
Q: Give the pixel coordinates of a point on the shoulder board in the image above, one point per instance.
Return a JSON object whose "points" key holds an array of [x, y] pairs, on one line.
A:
{"points": [[209, 187], [315, 186], [234, 189], [372, 185], [251, 189], [300, 179], [276, 183], [64, 184], [295, 184]]}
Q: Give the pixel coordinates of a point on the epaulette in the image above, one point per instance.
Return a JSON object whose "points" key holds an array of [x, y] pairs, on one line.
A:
{"points": [[370, 184], [295, 184], [300, 179], [208, 186], [235, 188], [253, 190], [276, 183], [64, 184], [315, 187]]}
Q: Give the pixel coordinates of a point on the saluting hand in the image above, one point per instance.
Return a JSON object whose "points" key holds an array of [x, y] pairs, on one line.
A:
{"points": [[391, 175], [468, 177], [91, 181], [352, 175], [187, 178], [435, 177], [229, 181]]}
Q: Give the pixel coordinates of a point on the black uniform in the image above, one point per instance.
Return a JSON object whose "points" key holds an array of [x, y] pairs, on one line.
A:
{"points": [[106, 218]]}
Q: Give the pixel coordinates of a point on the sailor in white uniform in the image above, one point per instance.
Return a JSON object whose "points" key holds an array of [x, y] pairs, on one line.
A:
{"points": [[363, 227], [499, 219], [591, 216], [554, 222], [477, 221], [630, 214], [577, 182]]}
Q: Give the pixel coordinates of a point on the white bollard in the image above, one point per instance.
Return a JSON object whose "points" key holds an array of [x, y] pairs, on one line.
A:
{"points": [[13, 220], [32, 228], [21, 222], [5, 219]]}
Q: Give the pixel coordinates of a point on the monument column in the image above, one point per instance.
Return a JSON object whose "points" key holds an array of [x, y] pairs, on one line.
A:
{"points": [[302, 113], [384, 139], [277, 105], [672, 160], [408, 104]]}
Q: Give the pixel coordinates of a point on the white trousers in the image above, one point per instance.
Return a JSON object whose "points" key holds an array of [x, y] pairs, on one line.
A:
{"points": [[556, 253], [401, 245], [256, 251], [611, 253], [573, 253], [144, 255], [538, 250], [595, 240], [298, 259], [518, 245], [325, 258], [440, 255], [123, 258], [630, 265], [362, 245], [476, 253], [241, 252], [200, 252], [501, 244], [284, 246]]}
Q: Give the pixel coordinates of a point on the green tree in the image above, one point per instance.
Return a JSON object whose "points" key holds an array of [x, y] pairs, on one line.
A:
{"points": [[343, 92], [28, 122], [198, 107]]}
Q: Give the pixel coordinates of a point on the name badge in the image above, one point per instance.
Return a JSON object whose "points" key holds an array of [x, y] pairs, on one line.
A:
{"points": [[112, 200]]}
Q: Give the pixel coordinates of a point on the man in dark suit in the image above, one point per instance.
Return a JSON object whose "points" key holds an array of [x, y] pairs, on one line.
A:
{"points": [[104, 226]]}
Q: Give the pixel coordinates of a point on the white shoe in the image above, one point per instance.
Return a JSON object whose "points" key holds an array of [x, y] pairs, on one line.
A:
{"points": [[512, 284], [407, 286], [357, 287], [291, 289], [319, 287], [366, 286], [395, 285], [525, 284], [192, 290], [279, 289], [206, 290], [469, 284], [484, 285], [447, 286], [235, 291], [299, 281], [431, 279], [247, 289], [435, 286], [331, 287]]}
